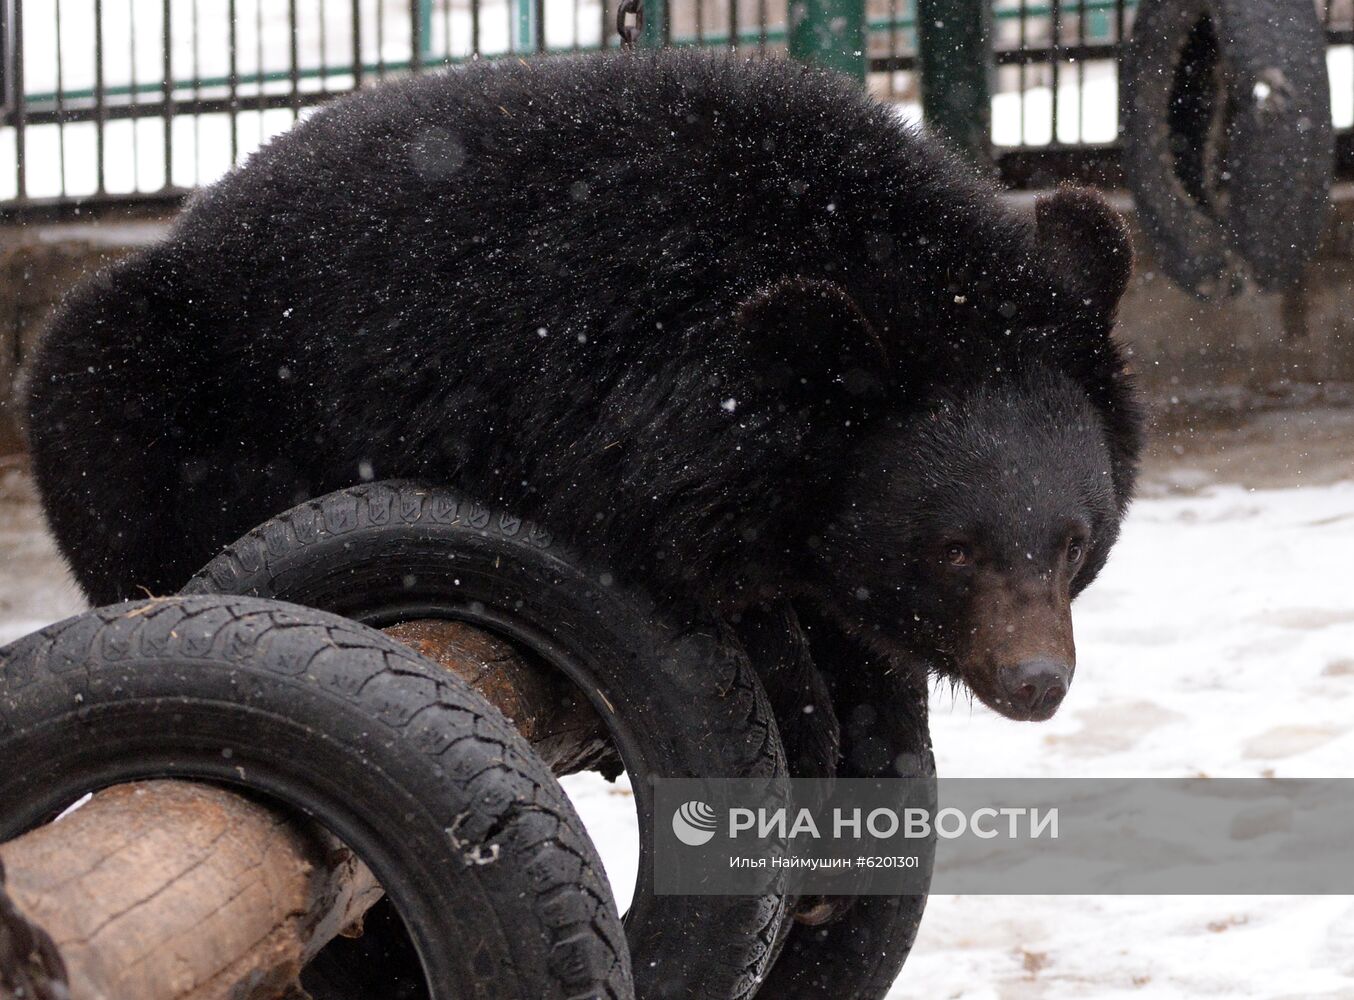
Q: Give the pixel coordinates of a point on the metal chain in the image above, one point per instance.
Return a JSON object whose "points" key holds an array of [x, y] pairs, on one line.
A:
{"points": [[30, 965], [630, 32]]}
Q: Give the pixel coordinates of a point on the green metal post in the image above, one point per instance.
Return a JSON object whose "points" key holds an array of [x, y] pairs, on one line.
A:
{"points": [[955, 41], [524, 26], [655, 34], [425, 29], [829, 33]]}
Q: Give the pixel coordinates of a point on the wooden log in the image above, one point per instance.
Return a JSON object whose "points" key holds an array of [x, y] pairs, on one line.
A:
{"points": [[171, 890], [546, 708], [175, 889]]}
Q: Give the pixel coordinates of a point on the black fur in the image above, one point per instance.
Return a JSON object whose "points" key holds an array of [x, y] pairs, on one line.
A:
{"points": [[1010, 467], [671, 304]]}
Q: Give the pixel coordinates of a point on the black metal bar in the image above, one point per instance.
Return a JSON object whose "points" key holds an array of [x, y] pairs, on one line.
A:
{"points": [[357, 43], [324, 45], [1062, 53], [6, 61], [893, 64], [1056, 13], [1022, 44], [733, 23], [60, 100], [293, 59], [415, 37], [892, 43], [197, 96], [136, 136], [1047, 167], [175, 107], [380, 39], [167, 91], [1344, 155], [1081, 71], [137, 203], [893, 38], [538, 35], [100, 110], [1348, 34], [260, 103], [233, 78], [20, 105]]}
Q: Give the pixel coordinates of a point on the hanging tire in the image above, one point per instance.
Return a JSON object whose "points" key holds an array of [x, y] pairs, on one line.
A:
{"points": [[472, 838], [859, 952], [678, 699], [1227, 138]]}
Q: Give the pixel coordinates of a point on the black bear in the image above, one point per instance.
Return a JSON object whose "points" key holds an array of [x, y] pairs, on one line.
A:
{"points": [[729, 325]]}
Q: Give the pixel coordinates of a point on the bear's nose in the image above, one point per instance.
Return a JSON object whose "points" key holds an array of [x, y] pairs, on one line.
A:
{"points": [[1037, 687]]}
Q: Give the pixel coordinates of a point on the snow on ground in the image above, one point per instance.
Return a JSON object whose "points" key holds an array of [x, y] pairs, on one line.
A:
{"points": [[1219, 640]]}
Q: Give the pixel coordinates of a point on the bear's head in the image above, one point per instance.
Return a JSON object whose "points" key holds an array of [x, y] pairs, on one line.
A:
{"points": [[967, 530], [986, 491]]}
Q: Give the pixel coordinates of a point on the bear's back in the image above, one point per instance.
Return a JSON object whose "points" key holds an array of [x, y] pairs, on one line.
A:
{"points": [[599, 169], [518, 279], [593, 214]]}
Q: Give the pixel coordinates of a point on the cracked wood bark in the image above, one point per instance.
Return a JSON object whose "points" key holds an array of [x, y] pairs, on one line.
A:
{"points": [[170, 890]]}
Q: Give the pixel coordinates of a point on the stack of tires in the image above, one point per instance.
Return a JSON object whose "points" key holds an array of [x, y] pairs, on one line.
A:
{"points": [[269, 671]]}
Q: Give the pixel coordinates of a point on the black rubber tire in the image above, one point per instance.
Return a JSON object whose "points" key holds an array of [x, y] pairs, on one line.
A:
{"points": [[885, 732], [471, 836], [780, 653], [380, 962], [1227, 139], [679, 698]]}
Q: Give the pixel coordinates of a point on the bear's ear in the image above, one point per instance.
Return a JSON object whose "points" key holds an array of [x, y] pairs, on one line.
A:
{"points": [[1084, 242], [813, 342]]}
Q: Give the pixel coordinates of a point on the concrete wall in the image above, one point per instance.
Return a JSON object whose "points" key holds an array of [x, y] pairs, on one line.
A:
{"points": [[1254, 351], [1199, 362]]}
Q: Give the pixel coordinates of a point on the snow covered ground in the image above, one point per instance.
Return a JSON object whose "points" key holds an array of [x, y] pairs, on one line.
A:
{"points": [[1218, 641]]}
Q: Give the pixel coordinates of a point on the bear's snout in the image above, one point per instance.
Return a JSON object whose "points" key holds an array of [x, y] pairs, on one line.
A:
{"points": [[1017, 653], [1036, 687]]}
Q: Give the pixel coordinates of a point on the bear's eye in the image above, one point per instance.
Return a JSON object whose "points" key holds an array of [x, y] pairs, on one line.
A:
{"points": [[1076, 548], [957, 554]]}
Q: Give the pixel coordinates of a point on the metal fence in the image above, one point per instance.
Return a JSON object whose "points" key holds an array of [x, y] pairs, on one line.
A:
{"points": [[126, 101]]}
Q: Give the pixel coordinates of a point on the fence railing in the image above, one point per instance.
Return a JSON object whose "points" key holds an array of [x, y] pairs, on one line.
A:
{"points": [[120, 101]]}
